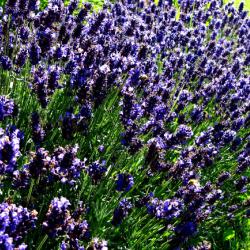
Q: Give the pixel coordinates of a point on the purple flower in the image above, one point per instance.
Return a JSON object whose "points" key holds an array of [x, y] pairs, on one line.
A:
{"points": [[11, 6], [204, 245], [183, 133], [228, 136], [69, 124], [21, 58], [15, 222], [9, 149], [241, 183], [5, 62], [96, 24], [40, 85], [244, 159], [186, 229], [67, 167], [44, 38], [78, 230], [7, 107], [96, 171], [53, 78], [40, 163], [21, 178], [72, 6], [241, 7], [38, 133], [167, 209], [83, 12], [238, 123], [121, 212], [34, 53], [75, 229], [57, 217], [33, 5], [175, 76], [98, 244], [223, 177], [71, 244], [23, 7], [197, 115], [24, 33], [124, 182], [101, 148]]}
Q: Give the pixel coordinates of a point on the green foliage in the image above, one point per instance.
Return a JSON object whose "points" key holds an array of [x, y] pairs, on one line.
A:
{"points": [[229, 234], [139, 231]]}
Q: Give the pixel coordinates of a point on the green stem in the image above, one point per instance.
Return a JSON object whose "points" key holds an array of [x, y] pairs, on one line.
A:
{"points": [[30, 190], [42, 242]]}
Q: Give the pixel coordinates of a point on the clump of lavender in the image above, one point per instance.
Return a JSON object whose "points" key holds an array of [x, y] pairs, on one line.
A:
{"points": [[185, 230], [241, 183], [39, 164], [98, 244], [62, 165], [182, 80], [243, 159], [76, 231], [38, 132], [124, 182], [69, 124], [101, 148], [7, 107], [16, 222], [71, 245], [204, 245], [66, 166], [45, 82], [57, 217], [122, 211], [9, 149], [5, 62], [59, 221], [97, 170], [21, 178], [183, 133], [168, 209], [34, 53]]}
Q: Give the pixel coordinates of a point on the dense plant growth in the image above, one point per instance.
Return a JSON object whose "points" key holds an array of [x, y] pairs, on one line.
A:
{"points": [[126, 127]]}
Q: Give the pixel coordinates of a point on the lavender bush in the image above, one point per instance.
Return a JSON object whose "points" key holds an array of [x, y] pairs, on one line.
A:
{"points": [[124, 126]]}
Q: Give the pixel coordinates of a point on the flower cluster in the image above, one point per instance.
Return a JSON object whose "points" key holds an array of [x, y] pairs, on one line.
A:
{"points": [[121, 212], [10, 140], [97, 170], [15, 222], [38, 132], [124, 182], [57, 217], [61, 165], [168, 209], [59, 221], [98, 244], [180, 74], [66, 166], [7, 107]]}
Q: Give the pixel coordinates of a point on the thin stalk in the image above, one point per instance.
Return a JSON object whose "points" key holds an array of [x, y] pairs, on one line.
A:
{"points": [[30, 190], [42, 242]]}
